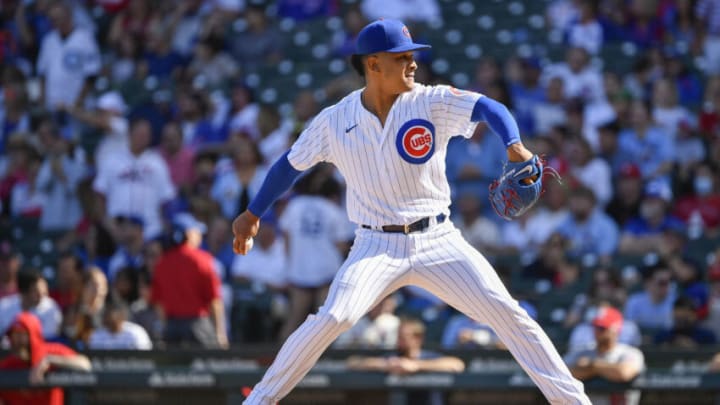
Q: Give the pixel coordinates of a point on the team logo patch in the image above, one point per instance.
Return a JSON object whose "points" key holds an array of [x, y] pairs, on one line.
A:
{"points": [[456, 92], [406, 32], [416, 141]]}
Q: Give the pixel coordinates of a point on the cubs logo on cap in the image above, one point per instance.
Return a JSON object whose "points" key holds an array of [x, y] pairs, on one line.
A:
{"points": [[416, 141]]}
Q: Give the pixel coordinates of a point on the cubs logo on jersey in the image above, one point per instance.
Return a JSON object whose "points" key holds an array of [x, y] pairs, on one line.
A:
{"points": [[416, 141]]}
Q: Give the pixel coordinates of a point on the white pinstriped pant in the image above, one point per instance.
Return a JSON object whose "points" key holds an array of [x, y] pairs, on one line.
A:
{"points": [[442, 262]]}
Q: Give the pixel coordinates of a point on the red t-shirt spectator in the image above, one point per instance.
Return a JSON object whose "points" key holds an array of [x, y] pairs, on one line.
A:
{"points": [[38, 350], [184, 283], [708, 207]]}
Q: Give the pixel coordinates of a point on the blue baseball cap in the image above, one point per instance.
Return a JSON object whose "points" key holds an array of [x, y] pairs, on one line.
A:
{"points": [[386, 36], [185, 221]]}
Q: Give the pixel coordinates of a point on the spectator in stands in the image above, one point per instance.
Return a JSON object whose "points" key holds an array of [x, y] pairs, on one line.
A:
{"points": [[136, 19], [704, 202], [124, 59], [667, 112], [305, 107], [589, 230], [527, 93], [709, 119], [117, 332], [516, 236], [88, 312], [609, 146], [14, 110], [590, 171], [218, 241], [243, 115], [551, 212], [186, 289], [129, 253], [553, 263], [69, 58], [136, 183], [646, 144], [343, 41], [686, 331], [487, 72], [125, 285], [586, 32], [605, 110], [628, 193], [33, 297], [609, 359], [412, 11], [68, 280], [313, 220], [378, 329], [707, 12], [464, 332], [261, 285], [643, 234], [259, 44], [301, 10], [26, 198], [142, 311], [712, 321], [473, 164], [582, 336], [643, 28], [234, 188], [178, 156], [560, 14], [274, 136], [550, 111], [477, 229], [109, 117], [651, 308], [29, 351], [58, 179], [193, 115], [685, 269], [9, 266], [216, 66], [162, 61], [411, 358], [580, 79]]}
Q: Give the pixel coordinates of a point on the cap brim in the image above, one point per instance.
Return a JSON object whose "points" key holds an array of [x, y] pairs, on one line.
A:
{"points": [[408, 47], [398, 49]]}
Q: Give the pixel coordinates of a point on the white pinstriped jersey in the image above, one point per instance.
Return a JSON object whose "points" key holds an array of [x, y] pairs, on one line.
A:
{"points": [[394, 174]]}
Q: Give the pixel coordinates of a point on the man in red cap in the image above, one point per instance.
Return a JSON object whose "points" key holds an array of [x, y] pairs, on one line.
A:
{"points": [[608, 359], [28, 350]]}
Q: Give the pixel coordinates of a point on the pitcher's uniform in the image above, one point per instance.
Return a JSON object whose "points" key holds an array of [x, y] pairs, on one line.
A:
{"points": [[398, 194]]}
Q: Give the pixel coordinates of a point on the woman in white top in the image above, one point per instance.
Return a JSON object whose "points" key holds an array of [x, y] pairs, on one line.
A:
{"points": [[317, 232]]}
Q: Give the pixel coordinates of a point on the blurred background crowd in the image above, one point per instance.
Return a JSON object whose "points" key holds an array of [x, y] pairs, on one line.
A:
{"points": [[133, 131]]}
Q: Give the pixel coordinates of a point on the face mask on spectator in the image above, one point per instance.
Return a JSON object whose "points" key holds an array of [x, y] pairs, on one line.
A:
{"points": [[703, 185]]}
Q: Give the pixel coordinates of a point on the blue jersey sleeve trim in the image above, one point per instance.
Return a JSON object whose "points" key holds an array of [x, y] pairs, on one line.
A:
{"points": [[498, 118], [279, 179]]}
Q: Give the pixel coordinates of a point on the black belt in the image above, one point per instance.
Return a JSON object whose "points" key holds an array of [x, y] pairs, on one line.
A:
{"points": [[417, 226]]}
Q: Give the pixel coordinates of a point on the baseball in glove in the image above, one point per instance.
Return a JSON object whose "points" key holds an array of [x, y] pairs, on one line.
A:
{"points": [[519, 187]]}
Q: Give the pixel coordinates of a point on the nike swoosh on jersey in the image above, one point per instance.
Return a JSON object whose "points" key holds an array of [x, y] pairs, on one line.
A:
{"points": [[348, 129], [527, 169]]}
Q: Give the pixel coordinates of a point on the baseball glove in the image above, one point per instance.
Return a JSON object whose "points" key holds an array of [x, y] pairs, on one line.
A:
{"points": [[519, 187]]}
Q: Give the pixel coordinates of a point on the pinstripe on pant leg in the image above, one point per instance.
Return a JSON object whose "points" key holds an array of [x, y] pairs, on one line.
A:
{"points": [[446, 265], [376, 266]]}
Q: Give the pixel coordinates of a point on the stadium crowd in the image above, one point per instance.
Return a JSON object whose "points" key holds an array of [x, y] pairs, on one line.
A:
{"points": [[133, 131]]}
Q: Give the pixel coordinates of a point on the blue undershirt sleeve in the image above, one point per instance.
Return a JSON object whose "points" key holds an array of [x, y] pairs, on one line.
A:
{"points": [[279, 179], [498, 119]]}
